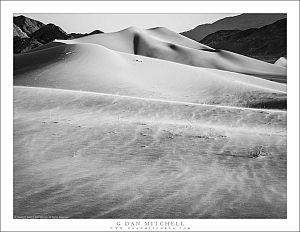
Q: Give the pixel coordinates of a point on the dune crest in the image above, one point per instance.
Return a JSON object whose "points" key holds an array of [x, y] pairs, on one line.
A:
{"points": [[95, 68], [162, 43], [165, 44]]}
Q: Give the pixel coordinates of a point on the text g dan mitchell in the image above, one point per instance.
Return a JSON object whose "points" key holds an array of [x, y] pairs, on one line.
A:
{"points": [[147, 225]]}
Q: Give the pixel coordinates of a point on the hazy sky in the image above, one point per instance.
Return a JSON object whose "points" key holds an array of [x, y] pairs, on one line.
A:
{"points": [[114, 22]]}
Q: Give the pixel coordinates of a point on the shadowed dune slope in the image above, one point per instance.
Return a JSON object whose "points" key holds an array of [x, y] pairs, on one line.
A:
{"points": [[164, 44], [98, 69]]}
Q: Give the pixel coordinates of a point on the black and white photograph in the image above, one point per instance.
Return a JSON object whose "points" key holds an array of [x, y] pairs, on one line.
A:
{"points": [[161, 116]]}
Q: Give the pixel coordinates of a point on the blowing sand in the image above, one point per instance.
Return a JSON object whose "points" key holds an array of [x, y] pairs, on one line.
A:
{"points": [[105, 130]]}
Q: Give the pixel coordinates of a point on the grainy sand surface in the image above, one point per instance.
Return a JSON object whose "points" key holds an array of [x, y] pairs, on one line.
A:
{"points": [[83, 155]]}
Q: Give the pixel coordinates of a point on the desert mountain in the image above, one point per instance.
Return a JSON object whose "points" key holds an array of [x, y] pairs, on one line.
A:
{"points": [[25, 44], [19, 33], [78, 35], [239, 22], [27, 25], [267, 43], [49, 33], [30, 34]]}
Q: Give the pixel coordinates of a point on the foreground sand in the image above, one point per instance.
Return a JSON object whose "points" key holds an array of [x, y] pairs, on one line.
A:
{"points": [[88, 155]]}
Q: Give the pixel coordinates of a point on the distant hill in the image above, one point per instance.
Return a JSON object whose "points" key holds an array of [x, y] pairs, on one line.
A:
{"points": [[239, 22], [267, 43], [27, 25], [49, 33], [78, 35]]}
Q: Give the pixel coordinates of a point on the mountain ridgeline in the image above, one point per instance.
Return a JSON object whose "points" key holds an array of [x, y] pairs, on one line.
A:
{"points": [[258, 35], [261, 35], [29, 34], [239, 22], [267, 43]]}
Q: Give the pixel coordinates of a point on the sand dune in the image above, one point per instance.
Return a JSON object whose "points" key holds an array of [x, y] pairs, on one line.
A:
{"points": [[164, 44], [281, 62], [167, 45], [85, 155], [95, 68], [127, 39]]}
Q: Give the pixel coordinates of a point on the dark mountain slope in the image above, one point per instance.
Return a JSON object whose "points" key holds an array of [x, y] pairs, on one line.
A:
{"points": [[27, 25], [267, 43], [239, 22], [78, 35], [49, 33], [29, 33], [18, 32], [218, 36], [22, 45]]}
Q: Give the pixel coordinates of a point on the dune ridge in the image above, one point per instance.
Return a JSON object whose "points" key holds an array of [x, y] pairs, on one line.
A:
{"points": [[161, 43], [117, 96], [95, 68]]}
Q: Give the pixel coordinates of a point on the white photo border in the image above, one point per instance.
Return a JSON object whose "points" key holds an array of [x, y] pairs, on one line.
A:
{"points": [[8, 8]]}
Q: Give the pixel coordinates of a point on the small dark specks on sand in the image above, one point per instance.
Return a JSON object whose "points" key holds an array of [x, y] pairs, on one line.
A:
{"points": [[221, 136], [54, 122], [258, 152], [74, 154], [201, 137], [229, 153]]}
